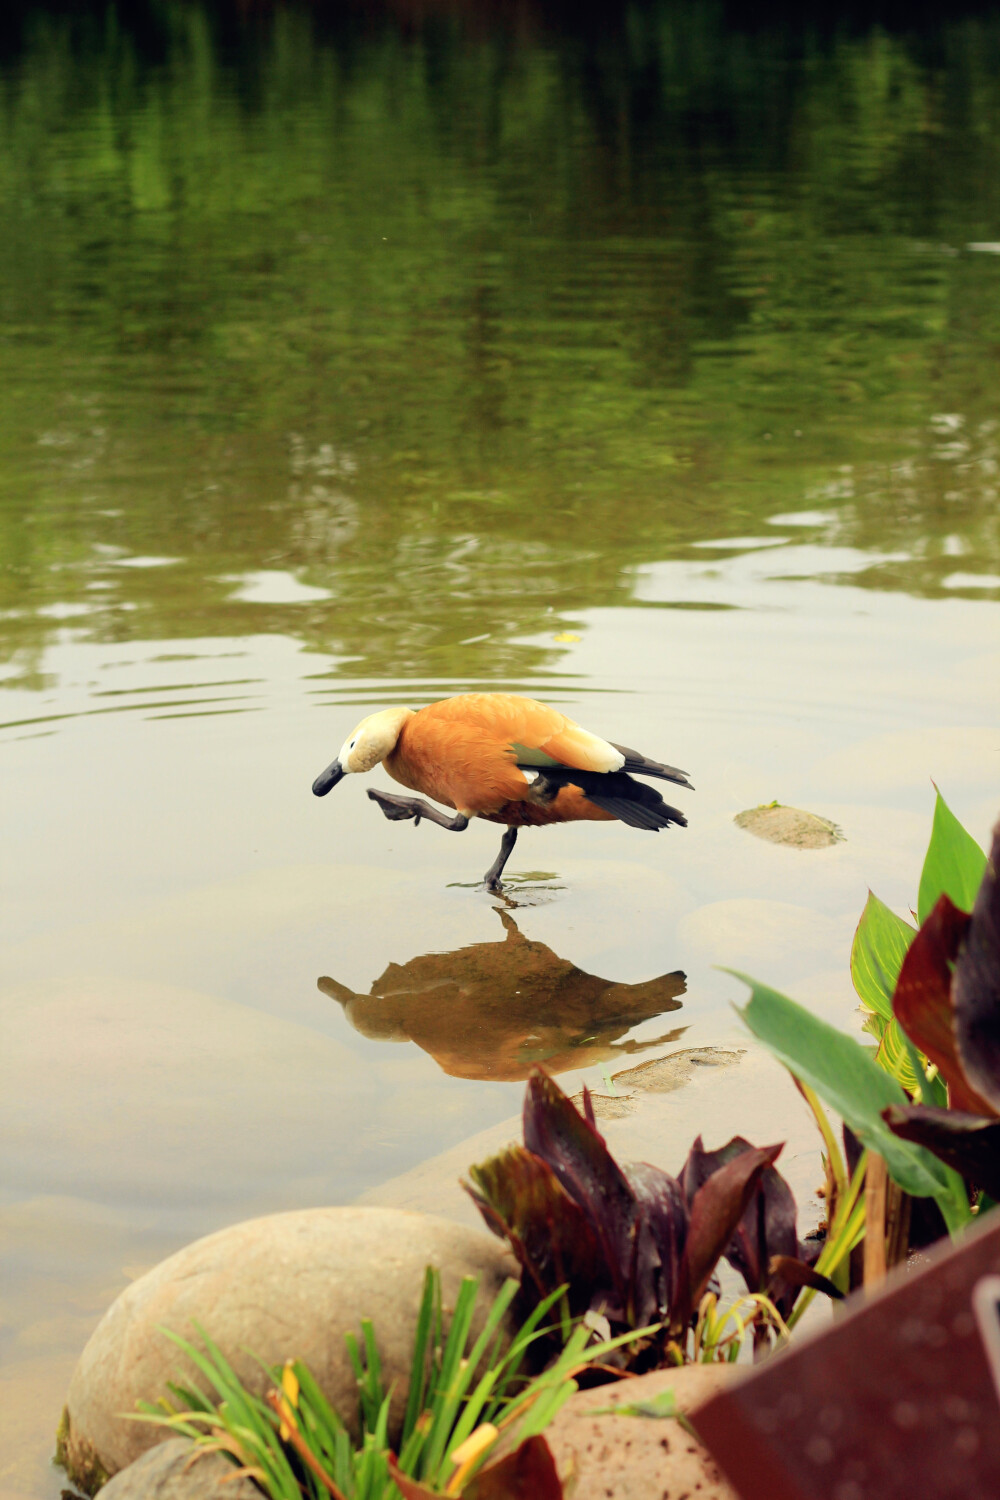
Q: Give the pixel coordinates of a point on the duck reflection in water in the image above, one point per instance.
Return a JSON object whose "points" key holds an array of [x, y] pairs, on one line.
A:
{"points": [[493, 1010]]}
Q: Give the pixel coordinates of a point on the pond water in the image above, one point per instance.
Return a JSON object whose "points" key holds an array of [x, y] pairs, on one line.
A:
{"points": [[646, 366]]}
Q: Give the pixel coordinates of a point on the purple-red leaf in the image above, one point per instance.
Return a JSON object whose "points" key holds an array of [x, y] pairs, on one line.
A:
{"points": [[922, 1003], [556, 1131], [853, 1151], [716, 1209], [798, 1273], [976, 988], [522, 1201], [664, 1211], [969, 1143], [767, 1227], [529, 1473], [410, 1489], [588, 1108]]}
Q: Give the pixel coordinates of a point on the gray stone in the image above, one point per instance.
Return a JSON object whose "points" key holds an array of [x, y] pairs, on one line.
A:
{"points": [[178, 1470], [789, 825], [609, 1457], [284, 1287]]}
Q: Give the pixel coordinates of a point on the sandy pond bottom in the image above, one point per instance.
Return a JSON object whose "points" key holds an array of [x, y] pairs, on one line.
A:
{"points": [[170, 1063]]}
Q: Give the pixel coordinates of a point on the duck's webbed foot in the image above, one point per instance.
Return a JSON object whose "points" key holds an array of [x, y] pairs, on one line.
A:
{"points": [[398, 809]]}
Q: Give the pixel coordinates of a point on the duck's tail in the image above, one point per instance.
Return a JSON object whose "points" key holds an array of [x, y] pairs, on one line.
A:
{"points": [[615, 792], [643, 766]]}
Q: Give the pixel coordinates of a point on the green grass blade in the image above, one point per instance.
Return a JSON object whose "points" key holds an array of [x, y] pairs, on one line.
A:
{"points": [[458, 1333], [455, 1378], [421, 1356], [494, 1317], [473, 1411]]}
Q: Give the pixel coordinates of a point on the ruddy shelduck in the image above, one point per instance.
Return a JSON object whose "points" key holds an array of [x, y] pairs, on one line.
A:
{"points": [[506, 759]]}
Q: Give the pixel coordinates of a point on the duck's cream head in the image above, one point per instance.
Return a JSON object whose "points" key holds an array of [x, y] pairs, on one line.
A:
{"points": [[374, 739]]}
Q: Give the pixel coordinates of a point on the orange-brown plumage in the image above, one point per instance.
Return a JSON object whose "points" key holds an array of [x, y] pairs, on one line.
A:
{"points": [[461, 752], [506, 759]]}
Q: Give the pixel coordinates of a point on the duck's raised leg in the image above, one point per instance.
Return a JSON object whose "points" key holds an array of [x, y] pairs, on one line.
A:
{"points": [[397, 809], [492, 876]]}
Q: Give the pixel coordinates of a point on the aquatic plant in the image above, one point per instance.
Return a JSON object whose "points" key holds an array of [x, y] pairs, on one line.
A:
{"points": [[464, 1398], [928, 1101], [635, 1246], [954, 865]]}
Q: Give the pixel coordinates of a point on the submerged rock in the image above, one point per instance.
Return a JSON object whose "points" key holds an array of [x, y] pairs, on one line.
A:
{"points": [[608, 1106], [177, 1470], [789, 825], [613, 1457], [287, 1286], [661, 1075]]}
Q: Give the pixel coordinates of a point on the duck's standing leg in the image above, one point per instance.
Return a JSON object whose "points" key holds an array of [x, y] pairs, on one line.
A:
{"points": [[492, 876]]}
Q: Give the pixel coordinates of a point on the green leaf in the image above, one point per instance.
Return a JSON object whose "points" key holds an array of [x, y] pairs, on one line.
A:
{"points": [[880, 945], [662, 1405], [874, 1025], [954, 863], [844, 1074], [895, 1054]]}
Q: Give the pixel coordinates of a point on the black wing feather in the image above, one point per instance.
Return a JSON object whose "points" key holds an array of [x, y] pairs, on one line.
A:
{"points": [[641, 765], [636, 804]]}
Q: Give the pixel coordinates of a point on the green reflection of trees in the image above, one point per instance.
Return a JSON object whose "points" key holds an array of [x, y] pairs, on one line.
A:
{"points": [[462, 328]]}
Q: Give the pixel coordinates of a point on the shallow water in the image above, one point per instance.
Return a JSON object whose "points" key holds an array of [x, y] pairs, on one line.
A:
{"points": [[649, 370]]}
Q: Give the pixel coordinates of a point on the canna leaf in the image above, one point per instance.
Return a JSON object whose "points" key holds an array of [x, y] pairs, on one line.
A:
{"points": [[799, 1273], [529, 1473], [923, 1000], [716, 1209], [893, 1055], [575, 1150], [976, 988], [664, 1211], [843, 1073], [874, 1025], [968, 1143], [522, 1200], [880, 945], [410, 1489], [953, 866], [767, 1226]]}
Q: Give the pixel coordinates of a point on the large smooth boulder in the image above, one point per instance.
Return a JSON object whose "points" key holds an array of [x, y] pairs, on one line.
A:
{"points": [[609, 1457], [177, 1470], [284, 1287]]}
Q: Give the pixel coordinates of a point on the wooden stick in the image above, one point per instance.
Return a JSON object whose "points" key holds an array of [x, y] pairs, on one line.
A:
{"points": [[876, 1184]]}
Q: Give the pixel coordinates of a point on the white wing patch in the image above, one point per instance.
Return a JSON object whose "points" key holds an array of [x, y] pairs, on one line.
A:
{"points": [[600, 755], [573, 746]]}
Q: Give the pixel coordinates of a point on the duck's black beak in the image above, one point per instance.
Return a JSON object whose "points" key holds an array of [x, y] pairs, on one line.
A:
{"points": [[327, 780]]}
